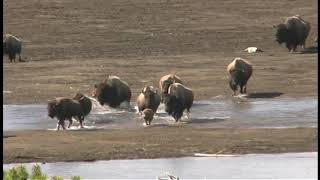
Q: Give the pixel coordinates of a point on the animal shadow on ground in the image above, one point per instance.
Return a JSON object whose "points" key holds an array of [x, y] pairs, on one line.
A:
{"points": [[264, 95], [310, 50]]}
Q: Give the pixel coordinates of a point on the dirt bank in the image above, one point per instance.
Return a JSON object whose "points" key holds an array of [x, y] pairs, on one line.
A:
{"points": [[50, 146], [71, 45]]}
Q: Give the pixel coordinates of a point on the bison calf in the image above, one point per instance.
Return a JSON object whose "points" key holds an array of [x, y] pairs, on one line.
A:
{"points": [[147, 115], [240, 71]]}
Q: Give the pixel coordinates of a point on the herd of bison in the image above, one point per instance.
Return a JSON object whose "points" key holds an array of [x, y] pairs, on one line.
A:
{"points": [[176, 97]]}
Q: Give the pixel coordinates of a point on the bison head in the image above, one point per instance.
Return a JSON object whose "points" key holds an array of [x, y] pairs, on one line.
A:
{"points": [[104, 93], [282, 33], [166, 84], [52, 108], [173, 106]]}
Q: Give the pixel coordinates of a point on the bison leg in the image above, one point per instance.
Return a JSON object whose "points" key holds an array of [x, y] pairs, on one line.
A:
{"points": [[61, 122], [58, 126], [81, 121], [188, 114], [70, 122], [20, 60]]}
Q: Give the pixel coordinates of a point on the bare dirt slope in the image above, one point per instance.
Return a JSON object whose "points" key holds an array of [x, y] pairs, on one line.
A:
{"points": [[72, 44]]}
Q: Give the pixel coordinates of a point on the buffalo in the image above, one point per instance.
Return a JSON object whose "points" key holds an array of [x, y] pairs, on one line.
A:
{"points": [[147, 115], [293, 32], [240, 71], [148, 98], [178, 99], [12, 46], [113, 91], [65, 108], [85, 103], [166, 81]]}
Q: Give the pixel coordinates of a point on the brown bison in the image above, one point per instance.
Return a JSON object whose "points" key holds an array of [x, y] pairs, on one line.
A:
{"points": [[240, 71], [12, 46], [147, 115], [293, 32], [65, 108], [166, 81], [148, 98], [177, 100], [85, 103], [113, 91]]}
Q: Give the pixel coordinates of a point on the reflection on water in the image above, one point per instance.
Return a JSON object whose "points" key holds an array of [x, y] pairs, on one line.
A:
{"points": [[252, 166], [219, 112]]}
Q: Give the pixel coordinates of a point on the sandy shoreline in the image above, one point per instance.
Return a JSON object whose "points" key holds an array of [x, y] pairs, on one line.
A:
{"points": [[50, 146]]}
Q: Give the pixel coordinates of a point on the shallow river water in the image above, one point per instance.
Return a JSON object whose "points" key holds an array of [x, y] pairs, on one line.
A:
{"points": [[251, 166], [218, 112]]}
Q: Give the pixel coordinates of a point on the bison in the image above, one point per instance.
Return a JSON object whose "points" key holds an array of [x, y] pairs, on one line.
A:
{"points": [[166, 81], [85, 103], [177, 100], [65, 108], [12, 46], [113, 91], [148, 98], [240, 71], [293, 32], [147, 115]]}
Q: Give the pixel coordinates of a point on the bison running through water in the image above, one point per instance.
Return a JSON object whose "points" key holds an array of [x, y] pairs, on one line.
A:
{"points": [[178, 99], [166, 81], [113, 91], [293, 32], [240, 71], [12, 46], [147, 115], [65, 108], [148, 98]]}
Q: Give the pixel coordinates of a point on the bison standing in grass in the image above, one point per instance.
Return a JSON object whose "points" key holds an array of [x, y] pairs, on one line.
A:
{"points": [[166, 81], [293, 32], [65, 108], [240, 71], [178, 99], [12, 46], [113, 91]]}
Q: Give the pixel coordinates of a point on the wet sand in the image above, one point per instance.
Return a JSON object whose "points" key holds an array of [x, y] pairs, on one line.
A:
{"points": [[50, 146]]}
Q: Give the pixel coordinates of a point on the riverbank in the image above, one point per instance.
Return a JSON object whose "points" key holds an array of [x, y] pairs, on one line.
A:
{"points": [[152, 142]]}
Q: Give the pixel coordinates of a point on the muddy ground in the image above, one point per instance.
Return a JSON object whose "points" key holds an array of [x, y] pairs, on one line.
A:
{"points": [[51, 146], [71, 45]]}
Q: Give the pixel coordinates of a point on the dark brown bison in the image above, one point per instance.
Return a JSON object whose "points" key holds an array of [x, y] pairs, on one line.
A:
{"points": [[166, 81], [12, 46], [178, 99], [113, 91], [148, 98], [147, 115], [293, 32], [85, 102], [65, 108], [240, 71]]}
